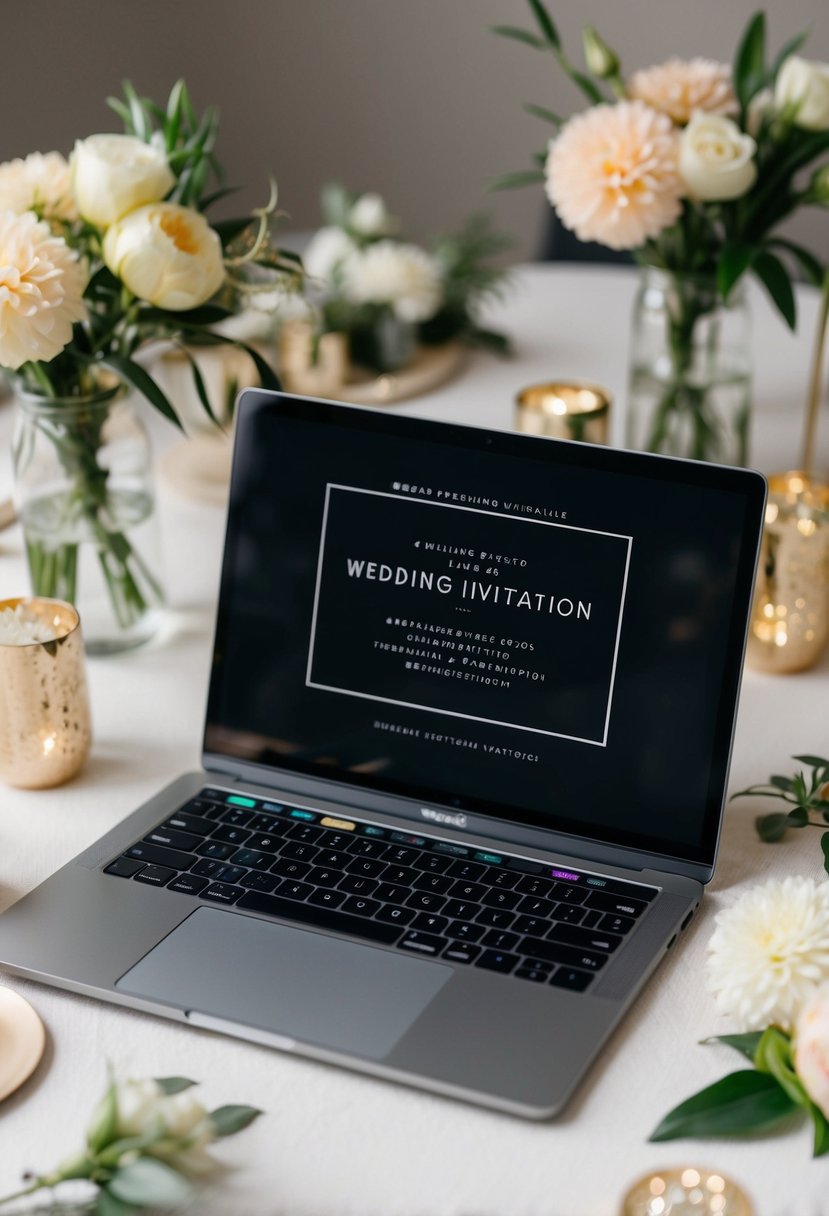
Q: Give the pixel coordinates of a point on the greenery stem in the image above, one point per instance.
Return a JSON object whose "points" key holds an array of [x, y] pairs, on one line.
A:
{"points": [[813, 403]]}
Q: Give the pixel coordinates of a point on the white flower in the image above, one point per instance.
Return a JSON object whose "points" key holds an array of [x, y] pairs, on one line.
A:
{"points": [[405, 277], [803, 85], [41, 290], [144, 1108], [41, 181], [114, 174], [769, 950], [327, 251], [761, 106], [811, 1047], [369, 217], [20, 628], [716, 160], [166, 254]]}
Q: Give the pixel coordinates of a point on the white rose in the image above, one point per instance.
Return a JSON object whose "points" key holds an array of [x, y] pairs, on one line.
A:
{"points": [[716, 158], [166, 254], [405, 277], [144, 1108], [114, 174], [328, 249], [811, 1048], [804, 85], [369, 216]]}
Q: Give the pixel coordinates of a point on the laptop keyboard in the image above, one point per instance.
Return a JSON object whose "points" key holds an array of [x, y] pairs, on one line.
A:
{"points": [[420, 894]]}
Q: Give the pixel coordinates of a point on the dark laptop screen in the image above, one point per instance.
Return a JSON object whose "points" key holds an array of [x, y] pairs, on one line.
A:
{"points": [[548, 633]]}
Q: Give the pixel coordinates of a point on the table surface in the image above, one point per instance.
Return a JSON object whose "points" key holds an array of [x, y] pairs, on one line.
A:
{"points": [[332, 1141]]}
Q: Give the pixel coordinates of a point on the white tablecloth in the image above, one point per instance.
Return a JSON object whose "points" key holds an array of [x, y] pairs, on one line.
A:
{"points": [[331, 1141]]}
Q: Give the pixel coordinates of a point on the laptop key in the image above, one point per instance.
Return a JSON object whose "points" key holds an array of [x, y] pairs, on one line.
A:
{"points": [[289, 889], [266, 823], [469, 870], [434, 863], [190, 823], [366, 867], [157, 855], [187, 884], [396, 916], [216, 849], [397, 855], [156, 876], [335, 859], [230, 835], [531, 905], [173, 839], [255, 880], [498, 939], [358, 906], [425, 901], [532, 926], [326, 898], [391, 893], [296, 850], [542, 887], [614, 924], [458, 909], [421, 943], [532, 973], [497, 960], [572, 978], [236, 817], [123, 867], [228, 873], [266, 842], [304, 833], [616, 904], [354, 885], [321, 918], [496, 918], [322, 877], [290, 869], [433, 882], [569, 914], [460, 952], [403, 875], [364, 846], [252, 860], [557, 952], [592, 918], [429, 923], [469, 890], [503, 879], [590, 939], [205, 868], [338, 841], [568, 894], [465, 931], [501, 899], [221, 893]]}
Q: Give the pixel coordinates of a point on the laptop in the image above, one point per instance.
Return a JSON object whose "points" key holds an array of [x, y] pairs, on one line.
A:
{"points": [[466, 748]]}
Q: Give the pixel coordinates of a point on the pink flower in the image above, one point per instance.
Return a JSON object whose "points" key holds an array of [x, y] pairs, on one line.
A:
{"points": [[680, 87], [612, 174], [811, 1048]]}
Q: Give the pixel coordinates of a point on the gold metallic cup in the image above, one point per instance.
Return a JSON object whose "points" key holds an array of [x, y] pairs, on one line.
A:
{"points": [[566, 409], [686, 1191], [790, 616], [45, 731]]}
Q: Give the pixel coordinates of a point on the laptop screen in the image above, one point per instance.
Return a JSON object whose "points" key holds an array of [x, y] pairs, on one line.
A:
{"points": [[544, 632]]}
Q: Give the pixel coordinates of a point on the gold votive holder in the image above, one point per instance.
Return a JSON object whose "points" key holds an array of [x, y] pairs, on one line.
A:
{"points": [[45, 730], [686, 1191], [789, 626], [564, 409]]}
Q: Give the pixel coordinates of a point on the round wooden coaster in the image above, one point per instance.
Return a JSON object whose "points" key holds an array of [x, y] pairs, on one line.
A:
{"points": [[22, 1041]]}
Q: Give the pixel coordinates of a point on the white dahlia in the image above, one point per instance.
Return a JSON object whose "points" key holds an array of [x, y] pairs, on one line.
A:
{"points": [[403, 276], [41, 290], [680, 87], [40, 181], [328, 249], [769, 951]]}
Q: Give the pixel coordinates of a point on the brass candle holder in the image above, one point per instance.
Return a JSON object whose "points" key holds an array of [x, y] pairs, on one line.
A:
{"points": [[790, 617], [686, 1191], [45, 732], [565, 409]]}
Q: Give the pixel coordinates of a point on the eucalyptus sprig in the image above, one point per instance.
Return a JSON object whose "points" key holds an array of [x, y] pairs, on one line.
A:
{"points": [[751, 1100], [807, 796], [142, 1142]]}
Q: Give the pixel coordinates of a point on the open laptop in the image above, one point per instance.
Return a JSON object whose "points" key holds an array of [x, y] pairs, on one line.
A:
{"points": [[467, 741]]}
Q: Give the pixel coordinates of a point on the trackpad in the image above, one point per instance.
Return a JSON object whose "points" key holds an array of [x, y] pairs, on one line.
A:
{"points": [[292, 982]]}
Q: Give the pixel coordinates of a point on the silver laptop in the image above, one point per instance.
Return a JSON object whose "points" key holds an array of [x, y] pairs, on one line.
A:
{"points": [[465, 755]]}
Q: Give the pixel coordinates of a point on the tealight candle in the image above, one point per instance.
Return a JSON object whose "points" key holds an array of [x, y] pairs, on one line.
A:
{"points": [[566, 409], [45, 730], [686, 1191]]}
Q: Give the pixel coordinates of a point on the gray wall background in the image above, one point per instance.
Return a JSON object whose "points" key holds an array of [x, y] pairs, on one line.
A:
{"points": [[413, 98]]}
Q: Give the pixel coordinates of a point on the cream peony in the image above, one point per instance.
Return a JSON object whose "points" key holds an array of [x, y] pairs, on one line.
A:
{"points": [[402, 276], [143, 1108], [716, 160], [328, 249], [41, 290], [612, 174], [40, 181], [166, 254], [769, 950], [803, 85], [369, 217], [115, 174], [680, 87], [811, 1047]]}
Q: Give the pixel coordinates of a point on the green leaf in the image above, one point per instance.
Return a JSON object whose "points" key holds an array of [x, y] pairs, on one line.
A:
{"points": [[821, 1141], [511, 31], [174, 1085], [141, 380], [545, 114], [746, 1044], [590, 89], [772, 827], [524, 177], [121, 110], [207, 314], [798, 818], [742, 1102], [812, 761], [782, 783], [106, 1204], [148, 1183], [774, 1056], [813, 271], [228, 1120], [202, 394], [775, 278], [750, 60], [824, 844], [209, 199], [545, 24], [734, 261]]}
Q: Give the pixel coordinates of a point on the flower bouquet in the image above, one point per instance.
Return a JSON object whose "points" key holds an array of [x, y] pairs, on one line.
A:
{"points": [[387, 295], [692, 166], [98, 257]]}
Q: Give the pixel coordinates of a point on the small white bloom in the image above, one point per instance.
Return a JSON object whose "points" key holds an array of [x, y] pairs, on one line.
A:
{"points": [[41, 181], [716, 160], [41, 290], [405, 277], [327, 251], [803, 85], [21, 628], [115, 174], [166, 254], [180, 1119], [811, 1047], [370, 218], [769, 950]]}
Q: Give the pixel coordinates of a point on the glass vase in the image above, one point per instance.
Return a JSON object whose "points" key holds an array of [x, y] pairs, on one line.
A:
{"points": [[690, 369], [86, 500]]}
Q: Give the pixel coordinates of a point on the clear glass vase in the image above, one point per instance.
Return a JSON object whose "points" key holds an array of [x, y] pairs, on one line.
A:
{"points": [[86, 500], [689, 392]]}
